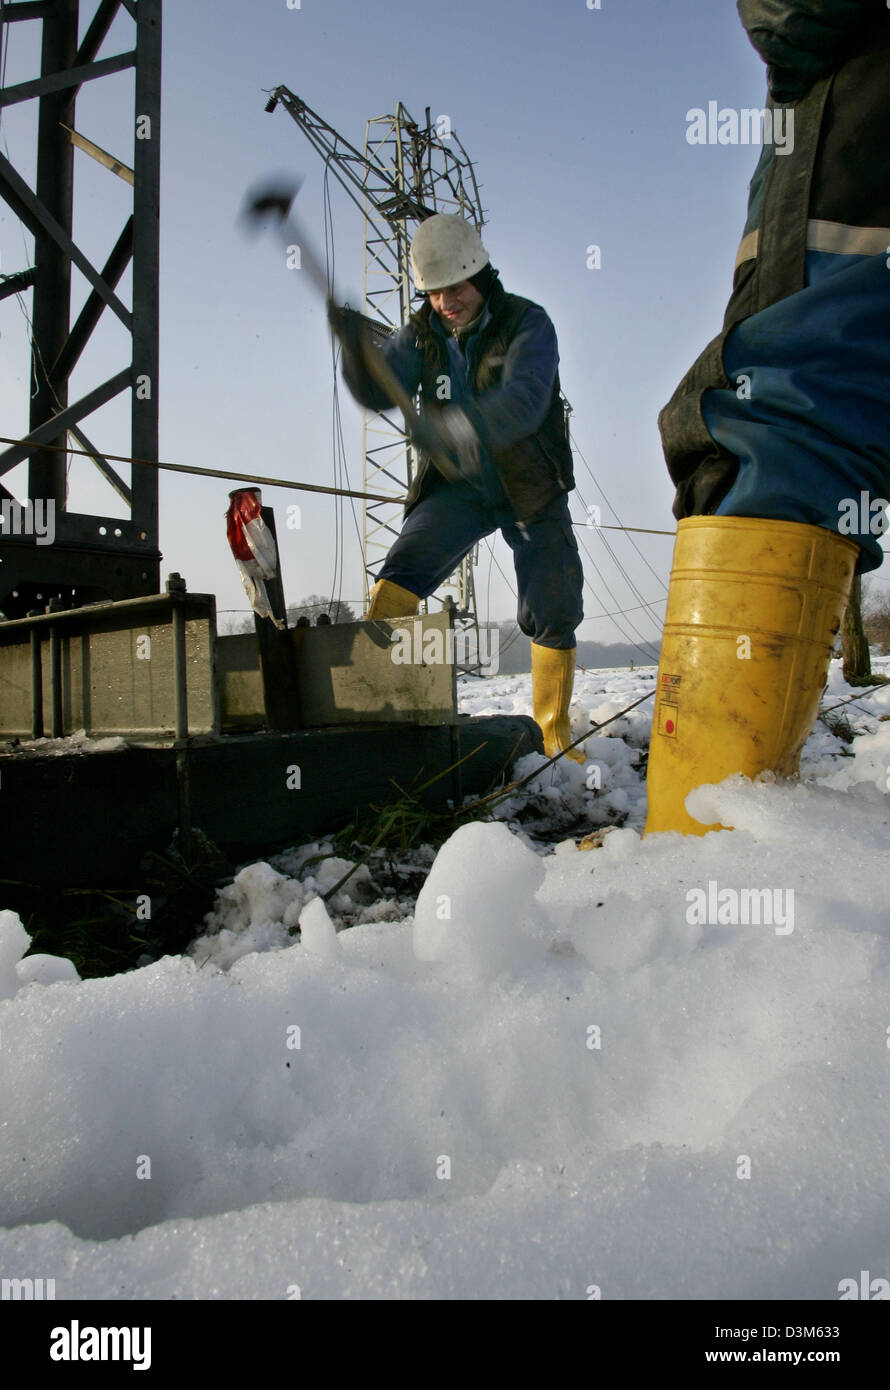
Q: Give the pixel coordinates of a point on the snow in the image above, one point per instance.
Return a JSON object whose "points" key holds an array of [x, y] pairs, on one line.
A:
{"points": [[79, 742], [317, 932], [556, 1074], [484, 921]]}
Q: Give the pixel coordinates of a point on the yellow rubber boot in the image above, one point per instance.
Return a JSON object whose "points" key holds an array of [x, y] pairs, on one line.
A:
{"points": [[752, 613], [390, 600], [553, 675]]}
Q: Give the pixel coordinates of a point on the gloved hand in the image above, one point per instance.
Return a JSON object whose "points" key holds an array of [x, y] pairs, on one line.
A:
{"points": [[426, 434], [461, 439], [346, 324], [449, 431]]}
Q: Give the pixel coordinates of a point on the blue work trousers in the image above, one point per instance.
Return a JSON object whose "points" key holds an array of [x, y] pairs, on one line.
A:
{"points": [[448, 522], [812, 429]]}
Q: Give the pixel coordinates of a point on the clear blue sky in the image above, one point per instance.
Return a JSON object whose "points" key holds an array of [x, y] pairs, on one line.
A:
{"points": [[576, 121]]}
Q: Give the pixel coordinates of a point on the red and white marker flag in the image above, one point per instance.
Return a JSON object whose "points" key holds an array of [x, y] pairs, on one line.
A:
{"points": [[253, 547]]}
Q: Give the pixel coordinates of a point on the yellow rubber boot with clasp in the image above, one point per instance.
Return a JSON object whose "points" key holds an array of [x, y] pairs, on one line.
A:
{"points": [[753, 610], [389, 600], [553, 675]]}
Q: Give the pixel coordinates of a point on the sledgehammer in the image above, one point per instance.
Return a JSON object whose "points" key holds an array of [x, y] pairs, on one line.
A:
{"points": [[278, 200]]}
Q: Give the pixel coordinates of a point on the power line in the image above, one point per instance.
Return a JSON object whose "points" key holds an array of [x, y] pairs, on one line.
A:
{"points": [[618, 613], [601, 528], [639, 530], [622, 571], [599, 488], [650, 655], [630, 582], [197, 471]]}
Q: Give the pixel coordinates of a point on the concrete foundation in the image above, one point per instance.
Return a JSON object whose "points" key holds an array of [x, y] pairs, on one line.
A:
{"points": [[86, 819]]}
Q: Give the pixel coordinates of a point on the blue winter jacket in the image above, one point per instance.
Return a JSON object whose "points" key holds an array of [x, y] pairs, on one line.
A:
{"points": [[505, 379], [786, 413]]}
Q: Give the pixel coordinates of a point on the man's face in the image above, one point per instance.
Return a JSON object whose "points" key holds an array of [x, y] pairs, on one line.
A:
{"points": [[457, 305]]}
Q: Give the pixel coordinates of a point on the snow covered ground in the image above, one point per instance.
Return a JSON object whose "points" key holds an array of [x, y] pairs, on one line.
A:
{"points": [[558, 1075]]}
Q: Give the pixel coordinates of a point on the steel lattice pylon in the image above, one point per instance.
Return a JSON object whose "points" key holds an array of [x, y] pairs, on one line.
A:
{"points": [[406, 173], [93, 556]]}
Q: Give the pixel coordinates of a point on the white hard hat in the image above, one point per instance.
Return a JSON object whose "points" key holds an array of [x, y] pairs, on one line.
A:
{"points": [[445, 250]]}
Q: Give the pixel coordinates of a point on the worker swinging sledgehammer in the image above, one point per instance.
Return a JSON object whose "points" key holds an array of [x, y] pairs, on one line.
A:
{"points": [[784, 420], [485, 363]]}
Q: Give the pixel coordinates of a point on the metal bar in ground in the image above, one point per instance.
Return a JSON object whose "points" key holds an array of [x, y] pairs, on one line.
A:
{"points": [[184, 804], [176, 590], [55, 677], [276, 651], [36, 684]]}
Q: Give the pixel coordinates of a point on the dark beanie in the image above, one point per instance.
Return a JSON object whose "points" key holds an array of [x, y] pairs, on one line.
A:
{"points": [[484, 280]]}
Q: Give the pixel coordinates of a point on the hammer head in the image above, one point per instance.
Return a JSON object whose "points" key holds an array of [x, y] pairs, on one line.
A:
{"points": [[275, 199]]}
